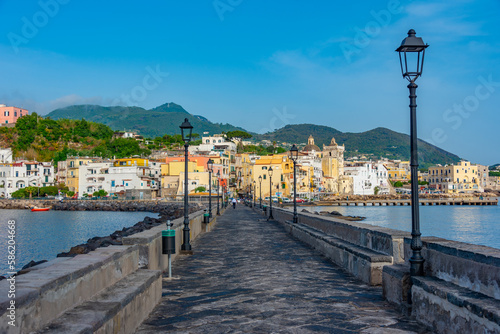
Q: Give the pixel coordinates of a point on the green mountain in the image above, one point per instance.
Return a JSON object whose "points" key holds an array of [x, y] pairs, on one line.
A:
{"points": [[376, 143], [165, 119], [155, 122]]}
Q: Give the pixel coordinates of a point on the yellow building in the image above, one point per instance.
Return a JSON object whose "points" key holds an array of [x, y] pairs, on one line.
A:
{"points": [[282, 170], [72, 171], [244, 173], [332, 165], [128, 162], [175, 168], [460, 178]]}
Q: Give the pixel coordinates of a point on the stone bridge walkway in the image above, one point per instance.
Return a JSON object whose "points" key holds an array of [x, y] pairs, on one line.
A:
{"points": [[249, 276]]}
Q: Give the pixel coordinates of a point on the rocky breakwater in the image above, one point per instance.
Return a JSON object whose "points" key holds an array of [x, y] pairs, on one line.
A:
{"points": [[24, 203], [106, 205], [167, 211]]}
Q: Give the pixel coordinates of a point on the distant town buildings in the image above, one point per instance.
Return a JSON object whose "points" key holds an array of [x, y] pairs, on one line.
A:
{"points": [[320, 173]]}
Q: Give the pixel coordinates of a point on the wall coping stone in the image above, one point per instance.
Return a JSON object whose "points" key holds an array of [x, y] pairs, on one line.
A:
{"points": [[31, 285], [476, 253], [361, 226], [477, 303], [362, 252]]}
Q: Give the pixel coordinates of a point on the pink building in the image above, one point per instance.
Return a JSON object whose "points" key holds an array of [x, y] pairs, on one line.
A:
{"points": [[9, 115]]}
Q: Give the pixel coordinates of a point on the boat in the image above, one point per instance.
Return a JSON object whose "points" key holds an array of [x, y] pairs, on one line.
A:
{"points": [[39, 209]]}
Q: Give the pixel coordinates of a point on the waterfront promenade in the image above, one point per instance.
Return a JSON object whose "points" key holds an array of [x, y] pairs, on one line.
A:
{"points": [[249, 276]]}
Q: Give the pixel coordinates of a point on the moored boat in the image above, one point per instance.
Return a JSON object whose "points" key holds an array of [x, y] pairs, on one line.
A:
{"points": [[39, 209]]}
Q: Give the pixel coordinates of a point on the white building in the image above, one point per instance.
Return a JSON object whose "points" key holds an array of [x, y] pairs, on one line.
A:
{"points": [[18, 175], [117, 180], [5, 155], [367, 177], [215, 143]]}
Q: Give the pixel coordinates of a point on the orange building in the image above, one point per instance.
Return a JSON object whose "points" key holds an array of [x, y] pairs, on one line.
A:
{"points": [[9, 115]]}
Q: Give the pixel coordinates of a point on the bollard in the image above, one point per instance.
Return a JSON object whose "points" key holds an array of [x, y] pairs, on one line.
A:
{"points": [[168, 245], [168, 241]]}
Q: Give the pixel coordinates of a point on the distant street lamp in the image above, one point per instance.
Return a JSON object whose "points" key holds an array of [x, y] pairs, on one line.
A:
{"points": [[254, 195], [186, 131], [414, 48], [260, 190], [270, 171], [210, 167], [218, 175], [294, 154]]}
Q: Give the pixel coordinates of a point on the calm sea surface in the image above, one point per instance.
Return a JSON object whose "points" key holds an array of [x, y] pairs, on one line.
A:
{"points": [[43, 235], [478, 225]]}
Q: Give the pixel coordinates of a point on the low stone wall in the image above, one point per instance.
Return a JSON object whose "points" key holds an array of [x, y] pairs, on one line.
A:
{"points": [[380, 239], [107, 282]]}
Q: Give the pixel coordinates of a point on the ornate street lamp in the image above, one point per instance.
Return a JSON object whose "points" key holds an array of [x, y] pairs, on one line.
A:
{"points": [[186, 131], [210, 167], [270, 171], [218, 175], [294, 154], [260, 190], [411, 57]]}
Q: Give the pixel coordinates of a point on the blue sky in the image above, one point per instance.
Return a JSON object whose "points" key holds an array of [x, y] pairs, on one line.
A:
{"points": [[262, 65]]}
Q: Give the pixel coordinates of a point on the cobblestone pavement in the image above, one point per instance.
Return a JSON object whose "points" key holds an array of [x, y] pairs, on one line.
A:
{"points": [[249, 276]]}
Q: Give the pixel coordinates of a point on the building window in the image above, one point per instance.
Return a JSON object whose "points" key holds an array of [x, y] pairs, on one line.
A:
{"points": [[264, 176], [15, 113]]}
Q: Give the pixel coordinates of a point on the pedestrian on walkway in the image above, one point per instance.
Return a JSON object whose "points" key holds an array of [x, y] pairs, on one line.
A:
{"points": [[234, 203]]}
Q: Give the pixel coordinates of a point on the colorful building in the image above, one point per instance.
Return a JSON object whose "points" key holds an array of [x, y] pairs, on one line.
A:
{"points": [[463, 177], [10, 115]]}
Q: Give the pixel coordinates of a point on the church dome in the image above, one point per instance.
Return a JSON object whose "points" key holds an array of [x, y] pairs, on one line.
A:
{"points": [[311, 146]]}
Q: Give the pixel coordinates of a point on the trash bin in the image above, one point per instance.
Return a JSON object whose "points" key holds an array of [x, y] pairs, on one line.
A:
{"points": [[168, 241], [206, 218], [264, 208]]}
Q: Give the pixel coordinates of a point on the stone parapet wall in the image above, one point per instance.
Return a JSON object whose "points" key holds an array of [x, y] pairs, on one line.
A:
{"points": [[473, 267], [380, 239]]}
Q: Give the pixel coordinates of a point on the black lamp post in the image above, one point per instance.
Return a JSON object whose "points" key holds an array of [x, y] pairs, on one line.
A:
{"points": [[260, 190], [411, 54], [210, 167], [218, 175], [270, 171], [186, 131], [294, 154]]}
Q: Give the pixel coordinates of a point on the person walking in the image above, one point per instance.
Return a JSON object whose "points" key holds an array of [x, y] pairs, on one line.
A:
{"points": [[234, 203]]}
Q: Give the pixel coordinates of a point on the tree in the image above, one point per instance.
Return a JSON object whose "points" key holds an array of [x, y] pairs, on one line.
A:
{"points": [[21, 193], [376, 190], [30, 190], [100, 193], [238, 135], [200, 189]]}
